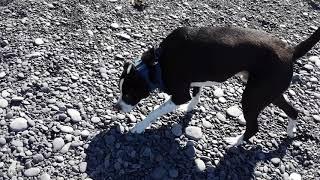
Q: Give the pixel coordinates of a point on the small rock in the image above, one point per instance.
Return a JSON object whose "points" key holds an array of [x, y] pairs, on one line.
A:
{"points": [[132, 118], [38, 41], [194, 132], [3, 103], [74, 114], [59, 159], [114, 25], [124, 36], [90, 32], [316, 118], [34, 171], [176, 129], [45, 176], [3, 141], [314, 58], [275, 161], [200, 166], [206, 124], [295, 176], [95, 119], [19, 124], [218, 92], [66, 129], [221, 117], [234, 111], [121, 116], [120, 128], [308, 66], [37, 158], [83, 167], [57, 144], [85, 133], [2, 74]]}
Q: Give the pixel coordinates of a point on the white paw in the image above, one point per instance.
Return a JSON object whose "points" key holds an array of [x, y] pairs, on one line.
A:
{"points": [[140, 127], [234, 141], [183, 108], [291, 128]]}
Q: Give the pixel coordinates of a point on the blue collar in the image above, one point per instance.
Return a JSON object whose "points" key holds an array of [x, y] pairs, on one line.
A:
{"points": [[143, 71]]}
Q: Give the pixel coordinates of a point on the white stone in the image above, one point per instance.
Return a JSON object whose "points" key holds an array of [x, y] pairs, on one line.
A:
{"points": [[5, 93], [3, 103], [115, 25], [314, 58], [19, 124], [74, 114], [38, 41], [206, 124], [234, 111], [194, 132], [90, 32], [85, 133], [218, 92], [57, 144], [34, 171], [45, 176], [295, 176], [2, 74], [66, 129], [95, 119], [200, 165], [241, 120]]}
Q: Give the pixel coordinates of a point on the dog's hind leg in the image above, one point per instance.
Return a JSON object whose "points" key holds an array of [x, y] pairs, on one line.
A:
{"points": [[291, 112], [255, 98], [196, 92]]}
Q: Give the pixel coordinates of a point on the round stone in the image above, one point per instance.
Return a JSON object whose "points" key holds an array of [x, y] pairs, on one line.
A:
{"points": [[206, 124], [74, 114], [3, 141], [121, 116], [85, 133], [95, 119], [2, 74], [19, 124], [90, 32], [38, 158], [218, 92], [176, 129], [275, 161], [295, 176], [115, 25], [34, 171], [3, 103], [234, 111], [57, 144], [45, 176], [194, 132], [316, 118], [221, 116], [38, 41], [66, 129], [132, 118], [314, 58], [200, 165], [83, 167]]}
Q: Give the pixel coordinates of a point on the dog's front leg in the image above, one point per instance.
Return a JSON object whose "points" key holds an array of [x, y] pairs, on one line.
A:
{"points": [[165, 108]]}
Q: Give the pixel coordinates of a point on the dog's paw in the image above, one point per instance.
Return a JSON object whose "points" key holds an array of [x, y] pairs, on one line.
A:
{"points": [[234, 141], [139, 127], [184, 108], [291, 128]]}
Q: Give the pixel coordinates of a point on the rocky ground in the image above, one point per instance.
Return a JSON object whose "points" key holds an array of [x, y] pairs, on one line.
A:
{"points": [[59, 67]]}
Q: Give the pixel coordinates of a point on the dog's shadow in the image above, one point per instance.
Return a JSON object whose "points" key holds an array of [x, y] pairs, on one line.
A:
{"points": [[158, 154]]}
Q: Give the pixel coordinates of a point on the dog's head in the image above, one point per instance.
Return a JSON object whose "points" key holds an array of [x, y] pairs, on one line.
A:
{"points": [[133, 88]]}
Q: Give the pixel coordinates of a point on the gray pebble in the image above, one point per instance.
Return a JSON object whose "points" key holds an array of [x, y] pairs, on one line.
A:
{"points": [[38, 41], [275, 161], [221, 116], [2, 141], [34, 171], [206, 124], [19, 124], [316, 118], [74, 114], [234, 111], [295, 176], [3, 103], [83, 167], [66, 129], [200, 165], [194, 132], [37, 158], [95, 119], [57, 144], [45, 176]]}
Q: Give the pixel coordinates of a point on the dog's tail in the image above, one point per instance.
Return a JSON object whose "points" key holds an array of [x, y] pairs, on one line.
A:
{"points": [[305, 46]]}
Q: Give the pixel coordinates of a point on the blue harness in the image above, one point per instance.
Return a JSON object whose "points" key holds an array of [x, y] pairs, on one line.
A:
{"points": [[143, 71]]}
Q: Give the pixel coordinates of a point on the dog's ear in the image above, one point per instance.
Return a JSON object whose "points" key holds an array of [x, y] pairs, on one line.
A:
{"points": [[148, 57]]}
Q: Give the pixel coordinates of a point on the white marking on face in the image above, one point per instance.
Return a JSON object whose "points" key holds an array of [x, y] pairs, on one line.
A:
{"points": [[165, 108], [292, 127], [129, 68]]}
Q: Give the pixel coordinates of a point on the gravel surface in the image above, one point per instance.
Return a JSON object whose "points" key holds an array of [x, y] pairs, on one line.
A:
{"points": [[59, 67]]}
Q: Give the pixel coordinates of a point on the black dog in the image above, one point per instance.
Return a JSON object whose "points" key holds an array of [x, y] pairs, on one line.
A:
{"points": [[196, 57]]}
